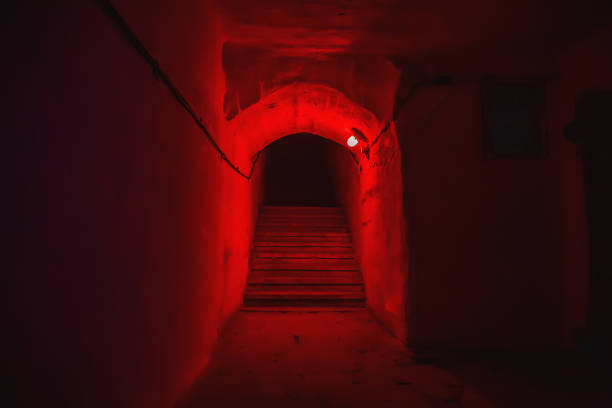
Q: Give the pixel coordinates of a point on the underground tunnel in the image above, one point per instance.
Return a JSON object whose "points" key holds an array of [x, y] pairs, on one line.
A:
{"points": [[298, 172], [308, 203]]}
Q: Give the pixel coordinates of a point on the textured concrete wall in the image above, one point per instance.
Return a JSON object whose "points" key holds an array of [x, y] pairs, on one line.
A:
{"points": [[124, 276], [485, 234], [371, 192]]}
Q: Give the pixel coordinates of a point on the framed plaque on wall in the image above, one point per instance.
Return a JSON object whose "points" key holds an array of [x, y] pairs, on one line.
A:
{"points": [[514, 125]]}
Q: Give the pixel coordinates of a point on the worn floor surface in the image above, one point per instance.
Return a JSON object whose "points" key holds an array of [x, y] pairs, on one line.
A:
{"points": [[332, 359]]}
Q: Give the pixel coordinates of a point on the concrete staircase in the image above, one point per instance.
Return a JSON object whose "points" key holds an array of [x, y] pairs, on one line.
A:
{"points": [[303, 260]]}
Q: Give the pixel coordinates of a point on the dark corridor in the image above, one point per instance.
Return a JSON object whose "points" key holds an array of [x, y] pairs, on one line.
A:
{"points": [[298, 172], [592, 129], [308, 203]]}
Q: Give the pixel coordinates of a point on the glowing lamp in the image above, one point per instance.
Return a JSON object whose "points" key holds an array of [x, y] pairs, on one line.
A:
{"points": [[352, 141]]}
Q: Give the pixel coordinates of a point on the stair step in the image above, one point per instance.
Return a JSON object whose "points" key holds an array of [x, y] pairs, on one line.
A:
{"points": [[305, 277], [334, 216], [304, 292], [267, 209], [299, 226], [302, 252], [313, 307], [304, 280], [305, 264], [294, 221], [303, 234], [303, 244], [304, 230], [303, 304], [303, 260], [330, 217], [305, 289], [298, 273], [302, 237]]}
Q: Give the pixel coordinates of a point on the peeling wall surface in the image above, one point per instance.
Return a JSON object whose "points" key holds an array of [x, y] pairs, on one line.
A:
{"points": [[371, 193], [132, 235]]}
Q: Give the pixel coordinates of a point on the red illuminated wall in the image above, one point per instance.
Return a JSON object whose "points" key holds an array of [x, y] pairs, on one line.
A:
{"points": [[379, 229], [136, 236], [371, 193], [140, 250], [270, 95]]}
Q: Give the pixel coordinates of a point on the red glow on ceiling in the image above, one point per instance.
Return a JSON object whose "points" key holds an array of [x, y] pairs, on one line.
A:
{"points": [[301, 108]]}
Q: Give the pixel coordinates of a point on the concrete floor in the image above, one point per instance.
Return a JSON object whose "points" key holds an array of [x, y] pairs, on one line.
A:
{"points": [[332, 359]]}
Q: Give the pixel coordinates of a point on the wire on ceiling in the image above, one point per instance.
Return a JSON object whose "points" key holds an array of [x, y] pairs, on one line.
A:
{"points": [[112, 13]]}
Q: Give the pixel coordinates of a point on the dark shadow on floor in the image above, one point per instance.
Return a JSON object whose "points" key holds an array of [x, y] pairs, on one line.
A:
{"points": [[333, 359]]}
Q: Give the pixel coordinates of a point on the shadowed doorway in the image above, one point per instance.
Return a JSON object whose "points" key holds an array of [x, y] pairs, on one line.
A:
{"points": [[303, 254], [298, 172]]}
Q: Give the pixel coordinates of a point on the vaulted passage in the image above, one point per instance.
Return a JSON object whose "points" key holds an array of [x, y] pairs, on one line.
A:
{"points": [[299, 171], [303, 256], [312, 203]]}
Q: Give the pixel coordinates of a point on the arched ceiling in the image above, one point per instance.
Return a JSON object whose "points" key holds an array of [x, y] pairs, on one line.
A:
{"points": [[307, 28], [279, 57], [349, 44], [252, 73], [302, 108]]}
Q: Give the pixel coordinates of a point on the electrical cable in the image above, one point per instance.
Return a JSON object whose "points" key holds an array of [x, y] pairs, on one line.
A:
{"points": [[112, 13], [440, 80]]}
